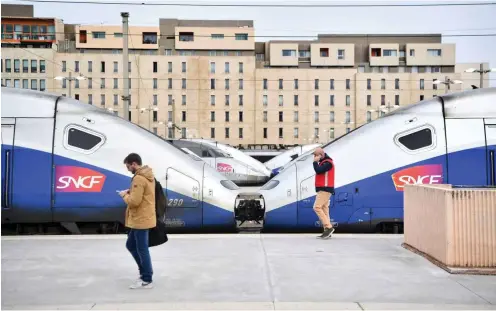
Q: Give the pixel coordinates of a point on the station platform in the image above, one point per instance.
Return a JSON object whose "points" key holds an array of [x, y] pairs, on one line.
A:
{"points": [[234, 272]]}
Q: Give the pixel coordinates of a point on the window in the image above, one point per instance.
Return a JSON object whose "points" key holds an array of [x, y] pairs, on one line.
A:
{"points": [[316, 84], [116, 83], [295, 132], [331, 82], [212, 67], [281, 116], [324, 52], [212, 116], [331, 133], [186, 36], [383, 84], [296, 84], [90, 99], [296, 116], [227, 116], [90, 65], [416, 139], [25, 83], [412, 52], [383, 100], [390, 53], [241, 68], [316, 100], [241, 116], [183, 132], [240, 132], [226, 130], [116, 67], [397, 100], [42, 85], [265, 85], [348, 100], [265, 132], [369, 84], [116, 102], [280, 132], [82, 140], [397, 84], [17, 83], [290, 53], [265, 118], [183, 115], [348, 117], [316, 132], [34, 66], [281, 100], [212, 84], [421, 97], [369, 100], [155, 83], [149, 38], [348, 84], [183, 100], [240, 100], [183, 66], [169, 83], [155, 99], [226, 67], [102, 99], [102, 83], [331, 116], [265, 100], [226, 84], [34, 84], [25, 65], [369, 116], [434, 86], [434, 52], [331, 100], [421, 84], [102, 66], [98, 34], [316, 116], [241, 36], [280, 84], [340, 54], [76, 84], [216, 36], [155, 67], [212, 100], [296, 100], [183, 84], [227, 100]]}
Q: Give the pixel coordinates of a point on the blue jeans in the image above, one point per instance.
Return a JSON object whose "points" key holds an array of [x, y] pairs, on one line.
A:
{"points": [[137, 244]]}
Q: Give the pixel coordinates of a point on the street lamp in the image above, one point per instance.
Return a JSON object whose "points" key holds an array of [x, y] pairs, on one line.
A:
{"points": [[482, 71], [447, 81], [70, 79]]}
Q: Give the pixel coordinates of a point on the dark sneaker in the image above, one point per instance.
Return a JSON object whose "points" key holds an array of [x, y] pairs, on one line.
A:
{"points": [[327, 233]]}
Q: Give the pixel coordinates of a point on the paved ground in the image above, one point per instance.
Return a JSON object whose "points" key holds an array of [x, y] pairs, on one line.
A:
{"points": [[248, 271]]}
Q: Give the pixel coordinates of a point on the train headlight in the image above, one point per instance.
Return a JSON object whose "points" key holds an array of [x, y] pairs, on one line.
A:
{"points": [[270, 185], [229, 185]]}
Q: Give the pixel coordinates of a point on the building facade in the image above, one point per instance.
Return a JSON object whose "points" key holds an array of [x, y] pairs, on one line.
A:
{"points": [[211, 79]]}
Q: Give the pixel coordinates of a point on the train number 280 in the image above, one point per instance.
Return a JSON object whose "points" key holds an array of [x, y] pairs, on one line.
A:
{"points": [[175, 202]]}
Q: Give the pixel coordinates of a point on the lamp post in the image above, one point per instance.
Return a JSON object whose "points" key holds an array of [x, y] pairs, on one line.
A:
{"points": [[482, 71], [447, 81], [70, 79]]}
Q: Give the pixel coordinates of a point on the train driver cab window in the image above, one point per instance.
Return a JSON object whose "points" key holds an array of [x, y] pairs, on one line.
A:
{"points": [[417, 140], [82, 140]]}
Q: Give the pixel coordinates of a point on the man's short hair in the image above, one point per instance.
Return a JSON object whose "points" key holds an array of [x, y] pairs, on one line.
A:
{"points": [[133, 158]]}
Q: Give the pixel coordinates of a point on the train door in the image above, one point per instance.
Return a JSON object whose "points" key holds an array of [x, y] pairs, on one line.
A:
{"points": [[490, 130], [183, 200], [7, 155]]}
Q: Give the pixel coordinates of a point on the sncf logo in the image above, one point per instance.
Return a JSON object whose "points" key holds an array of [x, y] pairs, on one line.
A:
{"points": [[222, 167], [424, 174], [78, 179]]}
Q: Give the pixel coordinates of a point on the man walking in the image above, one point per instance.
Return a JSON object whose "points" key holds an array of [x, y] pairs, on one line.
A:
{"points": [[140, 217], [324, 186]]}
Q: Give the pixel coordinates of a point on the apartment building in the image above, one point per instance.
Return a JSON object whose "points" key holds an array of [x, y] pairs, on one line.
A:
{"points": [[213, 80]]}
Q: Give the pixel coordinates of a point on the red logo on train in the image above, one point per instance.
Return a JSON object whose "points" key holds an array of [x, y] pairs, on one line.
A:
{"points": [[224, 168], [78, 179], [424, 174]]}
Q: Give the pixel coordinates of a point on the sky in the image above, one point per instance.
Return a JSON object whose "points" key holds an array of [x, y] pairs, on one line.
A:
{"points": [[271, 21]]}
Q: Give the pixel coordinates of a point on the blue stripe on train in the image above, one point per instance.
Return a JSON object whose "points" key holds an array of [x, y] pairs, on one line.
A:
{"points": [[31, 186], [375, 198]]}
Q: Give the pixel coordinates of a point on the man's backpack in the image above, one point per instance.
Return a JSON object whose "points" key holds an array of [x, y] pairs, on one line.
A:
{"points": [[160, 201], [158, 235]]}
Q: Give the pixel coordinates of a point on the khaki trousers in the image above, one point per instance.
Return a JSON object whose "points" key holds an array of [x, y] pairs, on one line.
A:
{"points": [[321, 208]]}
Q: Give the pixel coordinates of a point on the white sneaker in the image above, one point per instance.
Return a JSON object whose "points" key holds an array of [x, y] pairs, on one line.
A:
{"points": [[140, 284]]}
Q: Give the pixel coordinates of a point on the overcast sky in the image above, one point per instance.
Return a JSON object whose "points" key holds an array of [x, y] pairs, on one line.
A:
{"points": [[310, 21]]}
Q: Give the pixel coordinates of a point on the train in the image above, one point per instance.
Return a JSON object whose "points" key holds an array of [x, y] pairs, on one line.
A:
{"points": [[279, 161], [233, 168], [62, 165], [447, 139]]}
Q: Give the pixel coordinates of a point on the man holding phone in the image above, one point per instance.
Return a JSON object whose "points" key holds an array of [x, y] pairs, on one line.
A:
{"points": [[324, 186], [140, 217]]}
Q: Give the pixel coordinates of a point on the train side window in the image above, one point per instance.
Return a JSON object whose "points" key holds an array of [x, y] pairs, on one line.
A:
{"points": [[82, 140], [417, 140]]}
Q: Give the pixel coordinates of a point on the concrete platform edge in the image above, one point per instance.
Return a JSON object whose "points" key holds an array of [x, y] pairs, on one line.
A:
{"points": [[254, 306]]}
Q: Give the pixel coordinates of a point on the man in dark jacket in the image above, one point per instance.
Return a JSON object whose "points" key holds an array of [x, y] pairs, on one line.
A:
{"points": [[324, 186]]}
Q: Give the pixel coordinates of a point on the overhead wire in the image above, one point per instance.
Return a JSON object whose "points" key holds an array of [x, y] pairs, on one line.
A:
{"points": [[287, 5]]}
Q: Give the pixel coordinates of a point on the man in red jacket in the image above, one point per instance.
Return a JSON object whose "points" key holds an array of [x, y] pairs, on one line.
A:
{"points": [[324, 186]]}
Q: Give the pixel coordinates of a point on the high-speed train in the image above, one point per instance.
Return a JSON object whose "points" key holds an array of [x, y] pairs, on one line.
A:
{"points": [[445, 139], [62, 163], [239, 155], [277, 162], [240, 173]]}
